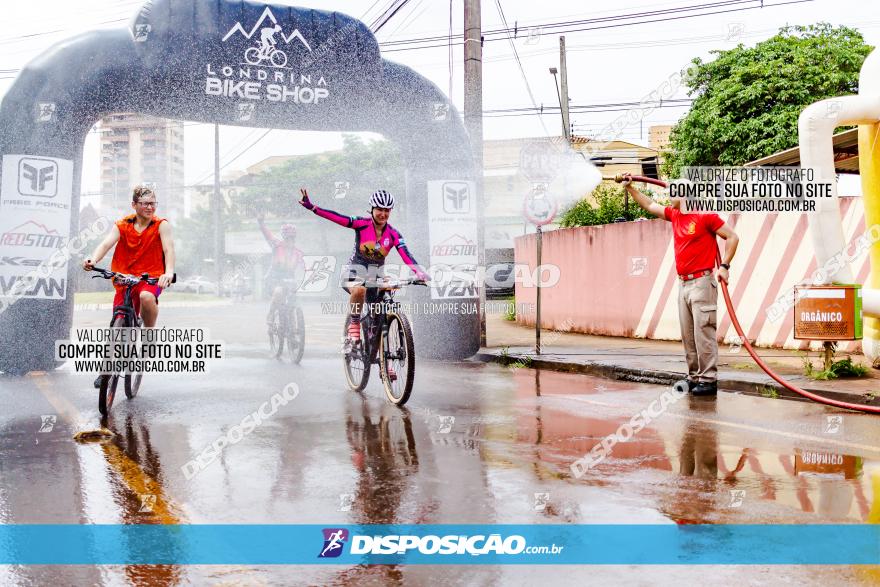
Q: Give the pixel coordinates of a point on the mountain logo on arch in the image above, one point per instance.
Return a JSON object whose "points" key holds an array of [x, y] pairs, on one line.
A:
{"points": [[267, 34]]}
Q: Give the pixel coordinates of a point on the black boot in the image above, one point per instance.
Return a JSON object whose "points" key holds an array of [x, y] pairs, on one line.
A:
{"points": [[705, 388]]}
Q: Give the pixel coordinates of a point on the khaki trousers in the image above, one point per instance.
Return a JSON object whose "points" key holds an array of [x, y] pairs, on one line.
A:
{"points": [[697, 315]]}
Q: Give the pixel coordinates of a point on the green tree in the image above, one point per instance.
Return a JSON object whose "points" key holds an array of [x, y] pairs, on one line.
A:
{"points": [[748, 99], [363, 166], [604, 205]]}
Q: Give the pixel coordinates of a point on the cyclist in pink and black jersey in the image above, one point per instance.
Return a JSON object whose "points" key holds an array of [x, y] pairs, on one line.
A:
{"points": [[287, 263], [374, 239]]}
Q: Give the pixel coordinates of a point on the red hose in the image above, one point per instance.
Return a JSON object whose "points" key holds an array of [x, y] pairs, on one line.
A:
{"points": [[736, 325]]}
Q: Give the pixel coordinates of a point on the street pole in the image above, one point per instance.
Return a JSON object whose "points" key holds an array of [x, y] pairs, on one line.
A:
{"points": [[216, 206], [563, 98], [115, 176], [473, 120], [538, 233]]}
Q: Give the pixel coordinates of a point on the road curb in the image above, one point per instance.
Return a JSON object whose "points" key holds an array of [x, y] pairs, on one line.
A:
{"points": [[657, 377]]}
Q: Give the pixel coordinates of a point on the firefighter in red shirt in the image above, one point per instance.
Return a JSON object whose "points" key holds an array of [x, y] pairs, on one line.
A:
{"points": [[695, 248]]}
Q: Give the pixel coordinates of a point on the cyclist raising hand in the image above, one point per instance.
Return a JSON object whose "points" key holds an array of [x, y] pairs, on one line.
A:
{"points": [[373, 240], [287, 263]]}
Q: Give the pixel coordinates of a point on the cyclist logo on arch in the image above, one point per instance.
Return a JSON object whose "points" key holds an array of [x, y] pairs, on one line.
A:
{"points": [[266, 49]]}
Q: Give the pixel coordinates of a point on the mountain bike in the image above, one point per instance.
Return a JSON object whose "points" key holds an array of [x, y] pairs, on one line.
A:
{"points": [[124, 316], [256, 55], [386, 340], [287, 332]]}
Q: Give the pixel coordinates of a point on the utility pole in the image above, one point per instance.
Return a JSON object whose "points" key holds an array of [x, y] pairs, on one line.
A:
{"points": [[563, 98], [473, 120], [217, 209]]}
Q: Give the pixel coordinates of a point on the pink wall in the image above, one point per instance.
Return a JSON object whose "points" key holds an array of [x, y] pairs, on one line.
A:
{"points": [[597, 292]]}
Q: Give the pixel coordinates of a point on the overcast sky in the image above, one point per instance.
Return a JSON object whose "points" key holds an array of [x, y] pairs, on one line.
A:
{"points": [[605, 66]]}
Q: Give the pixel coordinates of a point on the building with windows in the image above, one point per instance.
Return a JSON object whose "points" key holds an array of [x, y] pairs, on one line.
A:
{"points": [[141, 149]]}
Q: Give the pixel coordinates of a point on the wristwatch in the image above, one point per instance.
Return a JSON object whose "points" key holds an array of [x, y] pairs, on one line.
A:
{"points": [[726, 266]]}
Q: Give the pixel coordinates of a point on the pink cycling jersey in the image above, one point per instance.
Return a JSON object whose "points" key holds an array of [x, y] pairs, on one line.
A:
{"points": [[285, 259], [370, 248]]}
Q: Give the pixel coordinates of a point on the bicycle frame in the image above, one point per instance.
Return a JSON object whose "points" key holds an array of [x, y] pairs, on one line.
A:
{"points": [[377, 317], [126, 309]]}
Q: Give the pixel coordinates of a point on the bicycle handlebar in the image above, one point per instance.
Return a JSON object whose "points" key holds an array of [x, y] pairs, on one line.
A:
{"points": [[107, 274], [400, 282]]}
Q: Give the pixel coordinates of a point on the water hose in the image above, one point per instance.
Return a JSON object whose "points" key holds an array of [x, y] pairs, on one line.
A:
{"points": [[745, 341]]}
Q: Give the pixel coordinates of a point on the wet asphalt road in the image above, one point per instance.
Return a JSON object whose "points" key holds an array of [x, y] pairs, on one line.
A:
{"points": [[478, 443]]}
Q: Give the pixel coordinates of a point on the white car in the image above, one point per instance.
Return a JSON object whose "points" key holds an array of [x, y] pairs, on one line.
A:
{"points": [[197, 284]]}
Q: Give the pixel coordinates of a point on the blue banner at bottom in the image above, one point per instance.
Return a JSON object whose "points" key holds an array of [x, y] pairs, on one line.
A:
{"points": [[440, 544]]}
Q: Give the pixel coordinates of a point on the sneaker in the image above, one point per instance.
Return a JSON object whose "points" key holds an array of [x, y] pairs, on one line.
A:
{"points": [[354, 331], [392, 375]]}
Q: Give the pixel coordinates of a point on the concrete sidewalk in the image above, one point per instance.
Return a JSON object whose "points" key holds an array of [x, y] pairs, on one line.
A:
{"points": [[662, 362]]}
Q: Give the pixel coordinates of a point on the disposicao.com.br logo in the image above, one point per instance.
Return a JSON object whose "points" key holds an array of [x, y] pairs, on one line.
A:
{"points": [[432, 544]]}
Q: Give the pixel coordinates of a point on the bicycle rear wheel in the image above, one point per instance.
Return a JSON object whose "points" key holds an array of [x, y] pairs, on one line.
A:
{"points": [[355, 361], [397, 364]]}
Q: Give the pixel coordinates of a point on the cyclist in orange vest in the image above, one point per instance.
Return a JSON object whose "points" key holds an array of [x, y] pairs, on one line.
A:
{"points": [[144, 244]]}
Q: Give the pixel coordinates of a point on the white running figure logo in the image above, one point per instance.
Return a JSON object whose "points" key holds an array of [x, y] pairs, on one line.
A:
{"points": [[334, 544]]}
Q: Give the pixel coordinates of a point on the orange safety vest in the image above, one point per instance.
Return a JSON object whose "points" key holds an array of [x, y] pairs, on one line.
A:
{"points": [[139, 252]]}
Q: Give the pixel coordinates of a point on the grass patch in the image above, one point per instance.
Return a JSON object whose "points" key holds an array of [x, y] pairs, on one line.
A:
{"points": [[510, 309], [844, 368], [742, 366], [767, 391]]}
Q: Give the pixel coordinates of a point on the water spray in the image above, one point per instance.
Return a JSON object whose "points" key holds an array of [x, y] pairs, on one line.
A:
{"points": [[745, 341]]}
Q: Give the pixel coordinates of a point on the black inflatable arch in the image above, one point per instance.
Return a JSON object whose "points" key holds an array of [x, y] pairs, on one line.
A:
{"points": [[189, 59]]}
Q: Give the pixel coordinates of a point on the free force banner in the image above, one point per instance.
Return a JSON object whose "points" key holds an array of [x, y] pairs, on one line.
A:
{"points": [[35, 197], [453, 237]]}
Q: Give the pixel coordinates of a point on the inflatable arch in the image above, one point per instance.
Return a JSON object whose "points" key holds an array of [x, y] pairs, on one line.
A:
{"points": [[815, 128], [204, 61]]}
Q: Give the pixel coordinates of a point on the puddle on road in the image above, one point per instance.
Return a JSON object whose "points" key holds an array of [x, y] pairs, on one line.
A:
{"points": [[699, 463]]}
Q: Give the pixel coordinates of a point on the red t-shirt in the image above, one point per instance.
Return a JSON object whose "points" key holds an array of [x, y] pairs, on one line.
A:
{"points": [[694, 239]]}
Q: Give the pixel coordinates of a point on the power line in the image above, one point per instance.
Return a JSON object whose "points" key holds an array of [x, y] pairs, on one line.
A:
{"points": [[388, 15], [413, 15], [519, 63], [449, 43], [598, 20], [389, 47], [395, 46]]}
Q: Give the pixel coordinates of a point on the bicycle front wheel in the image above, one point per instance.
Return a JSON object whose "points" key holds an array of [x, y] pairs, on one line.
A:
{"points": [[278, 58], [133, 380], [110, 381], [133, 384], [296, 335], [397, 364], [275, 339]]}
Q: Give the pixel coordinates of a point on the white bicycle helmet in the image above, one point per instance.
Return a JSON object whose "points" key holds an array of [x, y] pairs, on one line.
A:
{"points": [[382, 199]]}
